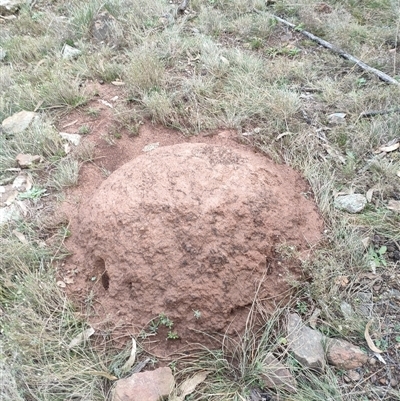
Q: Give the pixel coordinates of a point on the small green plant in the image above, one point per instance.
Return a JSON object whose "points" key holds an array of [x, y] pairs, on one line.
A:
{"points": [[376, 257], [34, 193], [165, 320], [302, 307], [93, 112], [84, 130], [172, 335], [197, 314], [256, 43]]}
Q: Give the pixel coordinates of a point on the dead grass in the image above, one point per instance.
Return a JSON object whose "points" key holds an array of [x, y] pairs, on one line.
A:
{"points": [[224, 64]]}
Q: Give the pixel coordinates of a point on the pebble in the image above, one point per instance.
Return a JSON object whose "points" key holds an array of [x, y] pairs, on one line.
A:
{"points": [[394, 383]]}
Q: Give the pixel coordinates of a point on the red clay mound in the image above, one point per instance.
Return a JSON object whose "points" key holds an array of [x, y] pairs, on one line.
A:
{"points": [[192, 227]]}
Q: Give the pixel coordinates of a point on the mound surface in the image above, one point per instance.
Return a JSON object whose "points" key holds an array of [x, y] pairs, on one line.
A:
{"points": [[192, 227]]}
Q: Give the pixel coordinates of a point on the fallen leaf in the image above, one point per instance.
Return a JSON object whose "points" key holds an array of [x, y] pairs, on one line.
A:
{"points": [[103, 374], [282, 135], [61, 284], [129, 363], [370, 343], [20, 236], [390, 148], [394, 205], [81, 337], [366, 241], [369, 194], [189, 385]]}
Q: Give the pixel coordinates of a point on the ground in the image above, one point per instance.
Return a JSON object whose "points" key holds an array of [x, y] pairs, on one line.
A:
{"points": [[221, 70]]}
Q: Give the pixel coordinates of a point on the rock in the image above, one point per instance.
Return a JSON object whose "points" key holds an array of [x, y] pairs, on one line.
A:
{"points": [[347, 310], [276, 375], [11, 6], [337, 118], [353, 203], [26, 160], [7, 195], [305, 343], [203, 219], [353, 375], [394, 383], [19, 122], [9, 213], [22, 183], [69, 52], [364, 303], [344, 355], [145, 386], [75, 139], [103, 29], [3, 54]]}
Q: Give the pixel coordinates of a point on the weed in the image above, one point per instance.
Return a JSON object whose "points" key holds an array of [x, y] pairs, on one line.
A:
{"points": [[376, 257], [65, 174], [172, 335], [302, 307], [84, 130], [197, 314], [34, 193]]}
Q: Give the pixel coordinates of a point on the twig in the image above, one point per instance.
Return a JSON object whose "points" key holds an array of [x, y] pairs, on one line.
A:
{"points": [[372, 113], [341, 53]]}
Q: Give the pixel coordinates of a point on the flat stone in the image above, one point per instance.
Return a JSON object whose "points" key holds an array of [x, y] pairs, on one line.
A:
{"points": [[3, 54], [19, 122], [276, 375], [26, 160], [152, 385], [9, 213], [75, 139], [305, 343], [69, 52], [8, 7], [344, 355], [353, 203]]}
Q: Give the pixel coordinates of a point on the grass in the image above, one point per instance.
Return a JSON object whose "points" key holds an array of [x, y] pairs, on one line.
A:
{"points": [[225, 64]]}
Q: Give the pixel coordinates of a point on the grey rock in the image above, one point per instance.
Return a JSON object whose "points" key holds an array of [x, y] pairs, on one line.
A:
{"points": [[152, 385], [69, 52], [344, 355], [364, 303], [347, 310], [9, 213], [27, 160], [8, 7], [75, 139], [3, 54], [103, 29], [305, 343], [337, 118], [276, 375], [19, 122], [353, 203]]}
